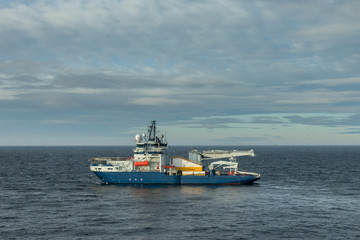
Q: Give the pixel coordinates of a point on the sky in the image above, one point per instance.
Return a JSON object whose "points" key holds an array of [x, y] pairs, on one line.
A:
{"points": [[96, 72]]}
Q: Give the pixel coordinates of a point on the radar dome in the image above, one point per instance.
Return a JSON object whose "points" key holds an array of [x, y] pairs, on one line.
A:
{"points": [[138, 138]]}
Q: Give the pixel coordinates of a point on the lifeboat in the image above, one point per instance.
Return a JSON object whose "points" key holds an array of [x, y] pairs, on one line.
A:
{"points": [[143, 163]]}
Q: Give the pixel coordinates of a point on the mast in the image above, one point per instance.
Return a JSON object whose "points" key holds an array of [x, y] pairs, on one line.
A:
{"points": [[152, 130]]}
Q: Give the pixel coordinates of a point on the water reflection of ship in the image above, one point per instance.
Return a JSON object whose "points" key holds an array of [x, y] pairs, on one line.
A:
{"points": [[193, 190]]}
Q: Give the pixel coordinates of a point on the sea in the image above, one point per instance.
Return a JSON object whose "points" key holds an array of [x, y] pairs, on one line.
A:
{"points": [[305, 192]]}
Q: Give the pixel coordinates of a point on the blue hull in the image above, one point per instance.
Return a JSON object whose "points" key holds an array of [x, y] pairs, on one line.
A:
{"points": [[137, 177], [161, 178], [219, 180]]}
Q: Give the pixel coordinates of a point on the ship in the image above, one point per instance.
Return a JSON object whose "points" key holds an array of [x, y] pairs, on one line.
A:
{"points": [[151, 164]]}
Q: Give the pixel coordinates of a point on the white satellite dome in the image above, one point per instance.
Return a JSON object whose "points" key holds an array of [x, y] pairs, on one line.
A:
{"points": [[138, 138]]}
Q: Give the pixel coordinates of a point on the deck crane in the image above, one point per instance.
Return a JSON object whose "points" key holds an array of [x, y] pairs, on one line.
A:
{"points": [[232, 165], [199, 157]]}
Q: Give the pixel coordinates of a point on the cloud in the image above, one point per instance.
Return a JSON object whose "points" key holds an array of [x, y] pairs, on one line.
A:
{"points": [[210, 123], [351, 131], [268, 120], [355, 81], [249, 121], [201, 62], [330, 121], [250, 140]]}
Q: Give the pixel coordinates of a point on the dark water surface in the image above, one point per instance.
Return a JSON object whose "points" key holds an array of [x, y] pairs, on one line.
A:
{"points": [[304, 193]]}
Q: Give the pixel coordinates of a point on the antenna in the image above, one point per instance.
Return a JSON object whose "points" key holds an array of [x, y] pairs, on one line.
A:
{"points": [[152, 130]]}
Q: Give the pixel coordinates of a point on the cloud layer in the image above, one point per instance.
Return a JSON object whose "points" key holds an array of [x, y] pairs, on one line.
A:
{"points": [[66, 62]]}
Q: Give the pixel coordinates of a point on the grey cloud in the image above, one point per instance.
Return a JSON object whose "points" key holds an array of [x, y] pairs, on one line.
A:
{"points": [[351, 131], [250, 140], [329, 121], [321, 120], [268, 120], [353, 120], [210, 123], [189, 59]]}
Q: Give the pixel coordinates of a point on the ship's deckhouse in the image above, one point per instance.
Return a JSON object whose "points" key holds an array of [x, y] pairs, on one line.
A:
{"points": [[150, 148]]}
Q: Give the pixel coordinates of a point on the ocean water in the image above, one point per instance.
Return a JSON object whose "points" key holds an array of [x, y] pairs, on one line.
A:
{"points": [[305, 193]]}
